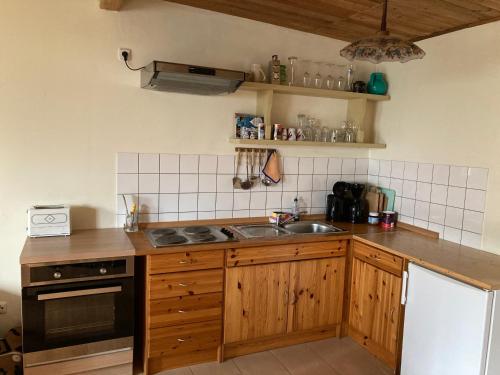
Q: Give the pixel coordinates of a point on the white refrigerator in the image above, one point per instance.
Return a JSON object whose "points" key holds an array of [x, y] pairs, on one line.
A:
{"points": [[450, 328]]}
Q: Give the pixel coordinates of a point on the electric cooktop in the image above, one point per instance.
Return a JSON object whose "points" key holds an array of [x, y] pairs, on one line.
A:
{"points": [[163, 237]]}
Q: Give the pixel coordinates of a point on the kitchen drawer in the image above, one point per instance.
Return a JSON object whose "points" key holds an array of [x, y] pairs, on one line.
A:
{"points": [[183, 345], [285, 253], [186, 261], [185, 309], [379, 258], [189, 283]]}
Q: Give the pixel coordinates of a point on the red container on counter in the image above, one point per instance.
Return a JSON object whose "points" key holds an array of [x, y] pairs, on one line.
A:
{"points": [[388, 219]]}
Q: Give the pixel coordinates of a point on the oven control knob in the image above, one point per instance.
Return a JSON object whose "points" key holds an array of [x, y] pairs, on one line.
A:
{"points": [[57, 275], [103, 271]]}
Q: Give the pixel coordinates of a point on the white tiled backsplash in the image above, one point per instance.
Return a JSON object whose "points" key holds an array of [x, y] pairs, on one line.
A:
{"points": [[170, 187], [444, 198], [174, 187]]}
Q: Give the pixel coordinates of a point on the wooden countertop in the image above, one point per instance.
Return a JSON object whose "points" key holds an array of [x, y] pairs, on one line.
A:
{"points": [[472, 266], [81, 245], [143, 246]]}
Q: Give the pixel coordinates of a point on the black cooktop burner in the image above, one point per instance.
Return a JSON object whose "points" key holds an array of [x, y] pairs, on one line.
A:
{"points": [[196, 230], [163, 231], [171, 239], [203, 238], [185, 236]]}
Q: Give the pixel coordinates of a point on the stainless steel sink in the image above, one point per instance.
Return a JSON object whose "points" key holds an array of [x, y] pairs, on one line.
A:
{"points": [[261, 230], [309, 227]]}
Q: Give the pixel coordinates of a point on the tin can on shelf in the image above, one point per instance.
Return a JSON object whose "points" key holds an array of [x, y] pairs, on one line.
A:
{"points": [[261, 131], [292, 135], [284, 134], [245, 133], [277, 132]]}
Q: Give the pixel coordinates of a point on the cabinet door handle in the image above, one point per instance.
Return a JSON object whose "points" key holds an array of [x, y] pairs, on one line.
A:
{"points": [[294, 298], [180, 340], [392, 314], [181, 311], [185, 284]]}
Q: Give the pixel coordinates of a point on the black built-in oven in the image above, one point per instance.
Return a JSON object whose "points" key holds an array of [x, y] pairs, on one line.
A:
{"points": [[77, 309]]}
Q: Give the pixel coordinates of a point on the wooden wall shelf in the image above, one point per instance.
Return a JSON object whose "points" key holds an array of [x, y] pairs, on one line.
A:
{"points": [[310, 91], [273, 143], [360, 107]]}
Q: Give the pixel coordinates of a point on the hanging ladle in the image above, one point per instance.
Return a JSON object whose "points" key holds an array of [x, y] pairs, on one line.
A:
{"points": [[255, 178], [236, 179], [247, 184]]}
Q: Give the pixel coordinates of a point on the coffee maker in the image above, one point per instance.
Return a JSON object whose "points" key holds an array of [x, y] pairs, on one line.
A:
{"points": [[338, 203], [357, 208], [346, 203]]}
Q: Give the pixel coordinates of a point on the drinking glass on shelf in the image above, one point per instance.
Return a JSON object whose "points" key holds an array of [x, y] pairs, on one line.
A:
{"points": [[308, 131], [325, 134], [318, 79], [306, 78], [292, 67], [330, 79], [340, 80]]}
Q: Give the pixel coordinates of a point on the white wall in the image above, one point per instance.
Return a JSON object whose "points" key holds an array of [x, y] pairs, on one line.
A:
{"points": [[445, 109], [67, 105]]}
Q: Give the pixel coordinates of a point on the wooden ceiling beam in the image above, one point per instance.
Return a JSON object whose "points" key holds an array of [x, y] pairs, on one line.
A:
{"points": [[111, 4], [349, 20]]}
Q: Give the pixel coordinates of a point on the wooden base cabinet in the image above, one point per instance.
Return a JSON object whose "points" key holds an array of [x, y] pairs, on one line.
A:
{"points": [[316, 290], [184, 301], [279, 304], [257, 300], [375, 295]]}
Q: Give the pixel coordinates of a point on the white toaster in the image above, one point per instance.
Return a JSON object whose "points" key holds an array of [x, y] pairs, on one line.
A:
{"points": [[45, 221]]}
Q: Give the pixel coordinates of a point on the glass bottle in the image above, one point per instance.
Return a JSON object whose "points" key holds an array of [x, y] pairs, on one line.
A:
{"points": [[292, 64], [349, 78]]}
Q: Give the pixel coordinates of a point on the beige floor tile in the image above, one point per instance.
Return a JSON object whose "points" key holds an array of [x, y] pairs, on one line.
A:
{"points": [[264, 363], [301, 360], [177, 371], [348, 358], [214, 368]]}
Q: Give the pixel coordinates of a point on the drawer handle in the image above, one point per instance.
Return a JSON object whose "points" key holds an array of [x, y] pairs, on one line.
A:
{"points": [[181, 340], [181, 311], [185, 284], [187, 261]]}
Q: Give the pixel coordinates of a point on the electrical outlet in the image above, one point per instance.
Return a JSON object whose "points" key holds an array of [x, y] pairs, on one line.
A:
{"points": [[121, 50], [3, 307]]}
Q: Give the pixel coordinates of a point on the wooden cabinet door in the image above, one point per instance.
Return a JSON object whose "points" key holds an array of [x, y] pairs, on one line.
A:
{"points": [[316, 293], [374, 309], [256, 301]]}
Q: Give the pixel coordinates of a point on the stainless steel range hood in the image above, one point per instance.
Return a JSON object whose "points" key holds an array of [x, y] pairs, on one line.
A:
{"points": [[190, 79]]}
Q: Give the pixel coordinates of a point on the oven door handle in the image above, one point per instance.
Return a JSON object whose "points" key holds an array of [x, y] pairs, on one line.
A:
{"points": [[79, 293]]}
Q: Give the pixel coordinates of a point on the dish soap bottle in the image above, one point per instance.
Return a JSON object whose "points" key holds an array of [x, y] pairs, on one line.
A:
{"points": [[296, 209]]}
